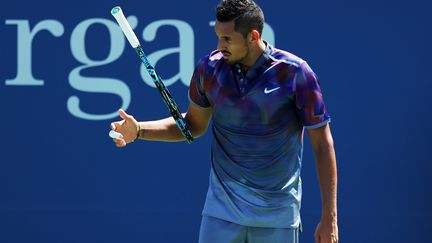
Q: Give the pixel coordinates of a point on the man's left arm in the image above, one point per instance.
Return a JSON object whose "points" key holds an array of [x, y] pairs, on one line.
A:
{"points": [[322, 143]]}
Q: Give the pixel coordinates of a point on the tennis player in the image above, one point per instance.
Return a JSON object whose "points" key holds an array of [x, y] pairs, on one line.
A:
{"points": [[260, 100]]}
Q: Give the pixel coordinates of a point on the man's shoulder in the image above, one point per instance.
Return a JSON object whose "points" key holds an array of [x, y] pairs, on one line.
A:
{"points": [[210, 60], [214, 57], [286, 57]]}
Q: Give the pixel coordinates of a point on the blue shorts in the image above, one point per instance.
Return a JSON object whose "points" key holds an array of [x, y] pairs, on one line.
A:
{"points": [[215, 230]]}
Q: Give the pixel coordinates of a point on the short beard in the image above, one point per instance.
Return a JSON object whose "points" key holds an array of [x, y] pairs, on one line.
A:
{"points": [[240, 60]]}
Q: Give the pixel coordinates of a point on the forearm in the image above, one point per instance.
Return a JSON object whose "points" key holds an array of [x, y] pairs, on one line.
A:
{"points": [[327, 176], [197, 120], [160, 130]]}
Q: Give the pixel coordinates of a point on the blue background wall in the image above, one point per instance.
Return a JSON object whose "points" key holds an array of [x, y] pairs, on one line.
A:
{"points": [[62, 180]]}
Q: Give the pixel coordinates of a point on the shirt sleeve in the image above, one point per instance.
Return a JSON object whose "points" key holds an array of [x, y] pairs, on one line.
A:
{"points": [[197, 94], [309, 101]]}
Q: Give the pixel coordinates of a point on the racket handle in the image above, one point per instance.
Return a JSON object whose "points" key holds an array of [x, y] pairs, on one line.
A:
{"points": [[125, 26]]}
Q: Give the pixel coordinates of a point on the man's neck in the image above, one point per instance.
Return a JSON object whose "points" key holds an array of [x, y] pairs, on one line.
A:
{"points": [[255, 52]]}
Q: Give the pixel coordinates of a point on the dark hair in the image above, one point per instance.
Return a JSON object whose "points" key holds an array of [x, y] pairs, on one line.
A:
{"points": [[247, 15]]}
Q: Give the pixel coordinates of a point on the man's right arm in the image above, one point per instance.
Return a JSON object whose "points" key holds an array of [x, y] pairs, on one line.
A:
{"points": [[197, 120]]}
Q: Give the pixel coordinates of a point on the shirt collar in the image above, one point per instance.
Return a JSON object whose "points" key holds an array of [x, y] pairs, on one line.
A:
{"points": [[255, 69], [264, 56]]}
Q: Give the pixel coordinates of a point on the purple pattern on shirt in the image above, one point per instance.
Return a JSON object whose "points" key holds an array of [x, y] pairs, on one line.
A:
{"points": [[257, 124]]}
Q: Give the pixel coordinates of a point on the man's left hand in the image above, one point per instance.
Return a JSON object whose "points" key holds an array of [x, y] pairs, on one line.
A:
{"points": [[327, 232]]}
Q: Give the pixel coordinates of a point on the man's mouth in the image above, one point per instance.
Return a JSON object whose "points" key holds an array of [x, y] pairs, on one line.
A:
{"points": [[226, 54]]}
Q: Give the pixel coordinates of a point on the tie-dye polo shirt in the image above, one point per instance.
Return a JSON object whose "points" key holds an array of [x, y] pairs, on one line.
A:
{"points": [[258, 121]]}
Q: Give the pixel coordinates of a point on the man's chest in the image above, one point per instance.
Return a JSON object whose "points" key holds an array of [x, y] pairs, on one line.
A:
{"points": [[260, 103]]}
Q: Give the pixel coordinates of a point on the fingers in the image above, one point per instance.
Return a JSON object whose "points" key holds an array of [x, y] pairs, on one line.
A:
{"points": [[113, 126], [119, 142], [316, 235], [124, 115], [334, 238], [118, 127]]}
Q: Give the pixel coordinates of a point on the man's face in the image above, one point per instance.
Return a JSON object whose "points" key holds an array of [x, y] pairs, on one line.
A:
{"points": [[232, 44]]}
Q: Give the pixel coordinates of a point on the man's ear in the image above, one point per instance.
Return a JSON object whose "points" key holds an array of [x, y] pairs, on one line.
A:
{"points": [[254, 36]]}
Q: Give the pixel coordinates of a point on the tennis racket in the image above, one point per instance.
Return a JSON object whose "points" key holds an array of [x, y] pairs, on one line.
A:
{"points": [[163, 90]]}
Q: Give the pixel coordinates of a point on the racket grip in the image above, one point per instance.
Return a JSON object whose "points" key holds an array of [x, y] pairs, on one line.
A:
{"points": [[125, 26]]}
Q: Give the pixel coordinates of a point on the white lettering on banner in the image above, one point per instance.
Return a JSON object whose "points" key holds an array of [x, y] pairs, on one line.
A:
{"points": [[268, 34], [96, 84], [24, 48], [185, 50]]}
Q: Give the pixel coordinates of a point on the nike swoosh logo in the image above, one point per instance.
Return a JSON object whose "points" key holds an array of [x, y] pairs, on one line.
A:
{"points": [[268, 91]]}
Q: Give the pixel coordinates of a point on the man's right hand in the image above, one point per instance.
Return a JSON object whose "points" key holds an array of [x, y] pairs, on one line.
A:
{"points": [[128, 127]]}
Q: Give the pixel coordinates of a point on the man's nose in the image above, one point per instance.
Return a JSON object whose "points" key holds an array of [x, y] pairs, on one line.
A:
{"points": [[221, 46]]}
